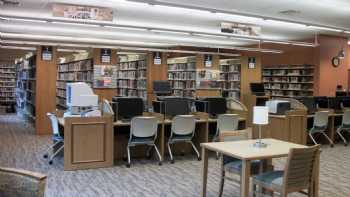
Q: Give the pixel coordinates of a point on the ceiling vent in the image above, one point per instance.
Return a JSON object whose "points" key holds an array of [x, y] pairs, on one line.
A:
{"points": [[9, 2], [290, 12]]}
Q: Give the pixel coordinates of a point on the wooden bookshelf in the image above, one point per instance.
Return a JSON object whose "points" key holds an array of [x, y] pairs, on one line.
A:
{"points": [[289, 80], [7, 84], [132, 76], [231, 76], [74, 71], [26, 87], [182, 75]]}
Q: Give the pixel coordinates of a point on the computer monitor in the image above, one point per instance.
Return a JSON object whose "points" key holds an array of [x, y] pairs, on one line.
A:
{"points": [[257, 89], [161, 87], [345, 102], [176, 106], [340, 93], [309, 103], [127, 107], [321, 102], [212, 105]]}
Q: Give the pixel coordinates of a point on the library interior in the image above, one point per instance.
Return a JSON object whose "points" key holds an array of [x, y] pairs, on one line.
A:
{"points": [[161, 98]]}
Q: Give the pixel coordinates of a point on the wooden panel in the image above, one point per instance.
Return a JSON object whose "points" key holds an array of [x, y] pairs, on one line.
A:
{"points": [[88, 142], [154, 73], [45, 98], [105, 93], [249, 75]]}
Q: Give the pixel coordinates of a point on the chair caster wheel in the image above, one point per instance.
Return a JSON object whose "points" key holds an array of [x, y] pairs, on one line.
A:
{"points": [[50, 162], [172, 161], [128, 165], [159, 163], [199, 158], [46, 156], [332, 145], [346, 144]]}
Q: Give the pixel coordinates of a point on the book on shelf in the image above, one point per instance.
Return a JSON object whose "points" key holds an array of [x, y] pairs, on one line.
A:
{"points": [[289, 80], [231, 77]]}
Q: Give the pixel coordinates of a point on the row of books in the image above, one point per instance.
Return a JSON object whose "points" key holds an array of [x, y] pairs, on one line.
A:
{"points": [[7, 83], [288, 72], [182, 66], [230, 76], [132, 92], [81, 65], [183, 84], [133, 65], [75, 76], [182, 75]]}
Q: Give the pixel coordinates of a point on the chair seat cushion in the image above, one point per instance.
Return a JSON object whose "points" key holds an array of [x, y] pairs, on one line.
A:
{"points": [[142, 140], [273, 179], [177, 137], [236, 166]]}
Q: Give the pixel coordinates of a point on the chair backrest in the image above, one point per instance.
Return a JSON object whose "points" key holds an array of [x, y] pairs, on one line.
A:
{"points": [[321, 119], [144, 126], [300, 168], [54, 123], [106, 107], [346, 118], [227, 122], [19, 183], [183, 124]]}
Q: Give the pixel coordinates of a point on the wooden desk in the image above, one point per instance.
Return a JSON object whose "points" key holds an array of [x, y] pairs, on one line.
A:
{"points": [[88, 142], [245, 151]]}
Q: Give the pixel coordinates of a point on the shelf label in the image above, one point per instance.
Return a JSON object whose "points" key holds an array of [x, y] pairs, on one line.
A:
{"points": [[251, 62], [157, 59], [46, 53], [106, 55], [208, 61]]}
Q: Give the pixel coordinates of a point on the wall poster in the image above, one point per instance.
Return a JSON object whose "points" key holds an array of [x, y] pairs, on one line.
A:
{"points": [[240, 29], [82, 12], [208, 79], [105, 76]]}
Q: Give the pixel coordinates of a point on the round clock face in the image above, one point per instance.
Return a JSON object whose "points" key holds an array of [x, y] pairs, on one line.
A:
{"points": [[335, 61]]}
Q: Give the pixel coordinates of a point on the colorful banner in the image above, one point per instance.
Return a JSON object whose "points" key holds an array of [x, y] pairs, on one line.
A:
{"points": [[240, 29], [105, 76], [208, 79]]}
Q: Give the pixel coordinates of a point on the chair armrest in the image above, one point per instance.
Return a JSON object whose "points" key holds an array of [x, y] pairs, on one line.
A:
{"points": [[33, 175]]}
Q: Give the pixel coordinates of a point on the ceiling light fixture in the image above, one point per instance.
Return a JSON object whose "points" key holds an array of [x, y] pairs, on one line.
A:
{"points": [[325, 28], [285, 24], [18, 48], [77, 24]]}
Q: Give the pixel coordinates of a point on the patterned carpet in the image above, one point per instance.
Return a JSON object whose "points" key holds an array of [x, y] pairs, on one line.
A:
{"points": [[20, 148]]}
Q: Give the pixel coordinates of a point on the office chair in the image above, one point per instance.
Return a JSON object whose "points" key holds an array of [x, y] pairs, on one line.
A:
{"points": [[233, 165], [106, 107], [345, 126], [56, 137], [320, 125], [225, 122], [143, 131], [297, 175], [182, 130]]}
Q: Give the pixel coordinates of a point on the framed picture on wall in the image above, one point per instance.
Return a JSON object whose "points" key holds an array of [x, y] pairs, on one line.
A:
{"points": [[251, 62]]}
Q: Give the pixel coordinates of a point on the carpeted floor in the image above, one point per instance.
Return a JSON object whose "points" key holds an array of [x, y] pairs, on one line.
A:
{"points": [[20, 148]]}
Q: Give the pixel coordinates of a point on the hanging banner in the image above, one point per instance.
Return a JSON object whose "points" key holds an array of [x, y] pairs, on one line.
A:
{"points": [[240, 29], [82, 12]]}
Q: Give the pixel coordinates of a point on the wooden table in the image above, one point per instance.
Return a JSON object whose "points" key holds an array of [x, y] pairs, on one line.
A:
{"points": [[245, 151]]}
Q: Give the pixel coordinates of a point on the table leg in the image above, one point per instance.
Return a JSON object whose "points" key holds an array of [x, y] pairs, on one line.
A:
{"points": [[317, 176], [204, 171], [332, 128], [245, 178]]}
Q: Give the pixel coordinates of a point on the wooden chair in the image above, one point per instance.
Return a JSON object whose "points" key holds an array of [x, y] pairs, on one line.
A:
{"points": [[21, 183], [297, 176]]}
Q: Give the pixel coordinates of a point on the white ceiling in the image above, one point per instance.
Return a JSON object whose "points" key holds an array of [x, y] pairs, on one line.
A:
{"points": [[322, 12]]}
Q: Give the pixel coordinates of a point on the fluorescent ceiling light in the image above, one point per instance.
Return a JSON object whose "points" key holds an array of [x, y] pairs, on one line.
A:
{"points": [[74, 23], [276, 42], [304, 44], [210, 36], [19, 48], [27, 20], [325, 28], [71, 50], [347, 32], [126, 28], [169, 31], [285, 24]]}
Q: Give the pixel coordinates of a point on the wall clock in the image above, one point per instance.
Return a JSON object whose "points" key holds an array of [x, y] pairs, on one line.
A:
{"points": [[336, 61]]}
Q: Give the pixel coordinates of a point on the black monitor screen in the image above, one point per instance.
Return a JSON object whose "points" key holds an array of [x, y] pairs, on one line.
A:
{"points": [[257, 87], [162, 87], [216, 105], [340, 93], [128, 107], [309, 103], [346, 102], [179, 106], [322, 102]]}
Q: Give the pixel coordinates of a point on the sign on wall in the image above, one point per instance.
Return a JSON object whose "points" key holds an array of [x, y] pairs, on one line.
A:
{"points": [[208, 60], [240, 29], [106, 55], [82, 12], [157, 59], [251, 62], [46, 53]]}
